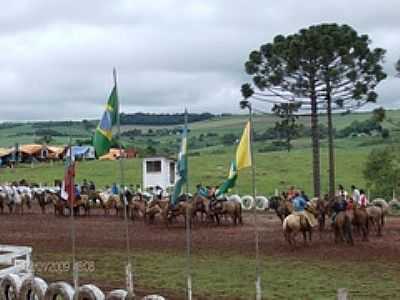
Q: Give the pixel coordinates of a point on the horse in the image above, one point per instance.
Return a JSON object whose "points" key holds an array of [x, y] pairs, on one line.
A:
{"points": [[295, 223], [15, 198], [3, 200], [136, 206], [109, 201], [360, 221], [342, 225], [379, 202], [59, 203], [282, 206], [40, 196], [202, 205], [321, 208], [230, 208], [375, 217]]}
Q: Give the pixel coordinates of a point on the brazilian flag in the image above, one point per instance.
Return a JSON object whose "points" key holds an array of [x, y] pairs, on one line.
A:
{"points": [[230, 182], [182, 165], [103, 134]]}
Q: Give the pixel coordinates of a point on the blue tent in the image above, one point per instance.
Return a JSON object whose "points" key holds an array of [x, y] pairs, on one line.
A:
{"points": [[82, 152]]}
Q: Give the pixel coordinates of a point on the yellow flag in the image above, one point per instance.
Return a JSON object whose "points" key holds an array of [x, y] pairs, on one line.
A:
{"points": [[243, 154]]}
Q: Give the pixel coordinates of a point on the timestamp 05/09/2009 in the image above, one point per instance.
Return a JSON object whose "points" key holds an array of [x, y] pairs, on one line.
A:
{"points": [[63, 266]]}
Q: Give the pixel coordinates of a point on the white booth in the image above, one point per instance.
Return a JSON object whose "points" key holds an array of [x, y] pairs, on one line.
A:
{"points": [[159, 171]]}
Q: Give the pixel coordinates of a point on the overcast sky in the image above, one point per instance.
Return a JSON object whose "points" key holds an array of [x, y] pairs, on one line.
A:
{"points": [[57, 57]]}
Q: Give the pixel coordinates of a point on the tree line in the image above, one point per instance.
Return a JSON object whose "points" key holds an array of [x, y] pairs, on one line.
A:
{"points": [[162, 119]]}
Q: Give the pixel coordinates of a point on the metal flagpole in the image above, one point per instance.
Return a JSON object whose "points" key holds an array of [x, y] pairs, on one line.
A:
{"points": [[188, 224], [247, 104], [128, 270], [256, 231], [71, 198]]}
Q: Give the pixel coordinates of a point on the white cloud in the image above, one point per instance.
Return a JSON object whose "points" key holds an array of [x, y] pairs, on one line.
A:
{"points": [[57, 57]]}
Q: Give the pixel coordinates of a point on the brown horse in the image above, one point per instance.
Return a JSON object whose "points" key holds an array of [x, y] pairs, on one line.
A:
{"points": [[376, 217], [110, 201], [342, 224], [202, 205], [40, 197], [137, 207], [25, 201], [230, 208], [360, 221], [59, 204], [282, 206]]}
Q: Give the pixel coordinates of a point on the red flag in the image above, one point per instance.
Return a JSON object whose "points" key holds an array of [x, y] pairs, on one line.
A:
{"points": [[69, 182]]}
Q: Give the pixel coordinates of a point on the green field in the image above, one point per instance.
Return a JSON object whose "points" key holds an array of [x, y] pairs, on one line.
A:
{"points": [[231, 276], [273, 170]]}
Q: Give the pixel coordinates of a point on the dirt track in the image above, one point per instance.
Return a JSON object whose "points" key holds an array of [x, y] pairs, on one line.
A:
{"points": [[52, 234]]}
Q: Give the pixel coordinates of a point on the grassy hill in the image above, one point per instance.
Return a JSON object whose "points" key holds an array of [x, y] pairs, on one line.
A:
{"points": [[12, 133], [210, 158]]}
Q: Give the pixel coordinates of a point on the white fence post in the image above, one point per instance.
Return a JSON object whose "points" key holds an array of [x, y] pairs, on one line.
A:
{"points": [[342, 294]]}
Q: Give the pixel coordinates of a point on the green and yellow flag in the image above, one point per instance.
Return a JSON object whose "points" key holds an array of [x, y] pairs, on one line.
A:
{"points": [[103, 134], [182, 164], [230, 182], [243, 152]]}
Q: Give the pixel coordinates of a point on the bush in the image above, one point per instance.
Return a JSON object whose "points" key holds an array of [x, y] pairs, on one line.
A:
{"points": [[382, 171]]}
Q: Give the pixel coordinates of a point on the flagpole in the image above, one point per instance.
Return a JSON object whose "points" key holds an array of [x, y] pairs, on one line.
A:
{"points": [[128, 270], [71, 198], [188, 224], [247, 104]]}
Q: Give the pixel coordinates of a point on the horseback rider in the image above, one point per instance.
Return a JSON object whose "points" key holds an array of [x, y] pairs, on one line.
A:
{"points": [[159, 192], [338, 206], [356, 194], [305, 197], [363, 202], [114, 189], [202, 191], [77, 192], [341, 192], [92, 186], [291, 193], [299, 206]]}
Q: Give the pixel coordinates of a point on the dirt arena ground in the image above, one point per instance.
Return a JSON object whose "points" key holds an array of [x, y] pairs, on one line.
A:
{"points": [[52, 234]]}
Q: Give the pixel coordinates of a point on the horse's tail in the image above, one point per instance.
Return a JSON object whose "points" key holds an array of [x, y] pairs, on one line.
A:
{"points": [[348, 229], [285, 225]]}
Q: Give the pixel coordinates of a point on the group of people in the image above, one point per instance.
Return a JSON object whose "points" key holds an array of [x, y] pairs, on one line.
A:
{"points": [[343, 202], [346, 202]]}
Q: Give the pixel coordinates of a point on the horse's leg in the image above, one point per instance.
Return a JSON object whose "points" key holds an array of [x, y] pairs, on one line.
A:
{"points": [[365, 232], [379, 229], [304, 232]]}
